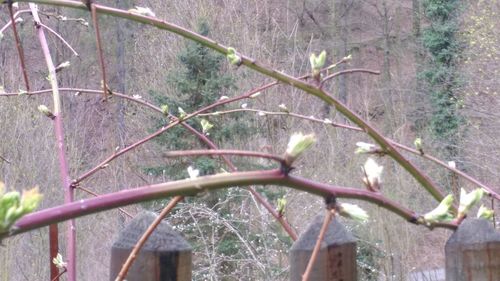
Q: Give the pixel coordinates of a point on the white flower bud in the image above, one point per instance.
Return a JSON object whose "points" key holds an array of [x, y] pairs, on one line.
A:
{"points": [[373, 173], [46, 111], [353, 212], [59, 262], [364, 147], [143, 11], [193, 173], [283, 108]]}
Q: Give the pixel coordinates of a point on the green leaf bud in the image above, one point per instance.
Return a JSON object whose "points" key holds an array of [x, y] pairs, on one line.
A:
{"points": [[468, 200], [182, 113], [281, 206], [164, 109], [233, 57], [441, 212], [30, 200], [297, 145], [205, 125], [485, 213], [418, 145], [373, 174], [143, 11]]}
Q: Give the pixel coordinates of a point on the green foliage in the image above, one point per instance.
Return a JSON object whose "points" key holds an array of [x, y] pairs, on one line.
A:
{"points": [[13, 205], [368, 258], [441, 73], [199, 82], [443, 10]]}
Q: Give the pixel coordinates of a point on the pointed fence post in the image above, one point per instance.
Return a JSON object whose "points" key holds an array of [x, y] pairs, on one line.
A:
{"points": [[337, 258], [166, 256], [473, 252]]}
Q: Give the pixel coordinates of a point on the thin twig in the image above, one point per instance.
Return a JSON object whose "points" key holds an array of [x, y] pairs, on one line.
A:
{"points": [[5, 159], [99, 49], [251, 63], [19, 48], [59, 275], [347, 71], [175, 122], [60, 38], [81, 21], [281, 219], [185, 153], [427, 156], [494, 218], [15, 17], [328, 217], [464, 175], [96, 195], [137, 247]]}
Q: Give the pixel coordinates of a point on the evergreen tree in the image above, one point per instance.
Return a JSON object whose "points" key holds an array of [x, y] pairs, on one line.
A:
{"points": [[199, 82], [441, 74]]}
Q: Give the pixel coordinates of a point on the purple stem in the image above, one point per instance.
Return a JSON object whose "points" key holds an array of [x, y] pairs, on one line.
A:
{"points": [[243, 153], [191, 187], [59, 133]]}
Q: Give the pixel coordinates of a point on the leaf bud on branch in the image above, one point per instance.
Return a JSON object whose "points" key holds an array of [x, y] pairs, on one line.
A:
{"points": [[46, 111], [373, 175], [233, 57], [441, 212], [317, 62], [296, 146], [468, 200]]}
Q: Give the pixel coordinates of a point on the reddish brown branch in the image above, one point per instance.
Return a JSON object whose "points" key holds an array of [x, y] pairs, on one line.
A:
{"points": [[96, 195], [54, 250], [202, 184], [443, 164], [60, 145], [19, 48], [348, 71], [175, 122], [15, 16], [59, 275], [59, 37], [186, 153], [99, 48], [314, 255]]}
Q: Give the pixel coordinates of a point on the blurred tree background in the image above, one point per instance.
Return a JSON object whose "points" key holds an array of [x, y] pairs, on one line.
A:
{"points": [[439, 63]]}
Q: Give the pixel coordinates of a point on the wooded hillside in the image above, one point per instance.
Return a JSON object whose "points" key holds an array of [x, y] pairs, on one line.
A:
{"points": [[438, 82]]}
